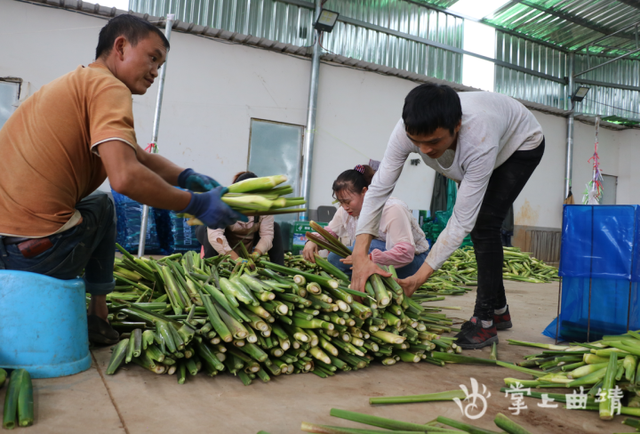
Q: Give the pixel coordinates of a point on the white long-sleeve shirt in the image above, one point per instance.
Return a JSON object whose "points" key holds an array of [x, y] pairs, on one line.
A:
{"points": [[494, 126]]}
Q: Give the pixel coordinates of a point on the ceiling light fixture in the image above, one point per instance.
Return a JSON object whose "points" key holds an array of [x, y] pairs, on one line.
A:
{"points": [[581, 92], [326, 21]]}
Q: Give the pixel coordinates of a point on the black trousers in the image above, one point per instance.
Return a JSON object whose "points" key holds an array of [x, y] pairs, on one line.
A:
{"points": [[276, 253], [505, 184]]}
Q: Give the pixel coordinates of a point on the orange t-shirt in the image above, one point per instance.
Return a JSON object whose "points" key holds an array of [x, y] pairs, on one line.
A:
{"points": [[47, 158]]}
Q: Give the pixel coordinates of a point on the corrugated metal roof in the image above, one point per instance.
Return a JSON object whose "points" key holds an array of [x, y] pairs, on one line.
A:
{"points": [[573, 24], [519, 51], [410, 35], [391, 33], [604, 27], [544, 100], [263, 42], [397, 36]]}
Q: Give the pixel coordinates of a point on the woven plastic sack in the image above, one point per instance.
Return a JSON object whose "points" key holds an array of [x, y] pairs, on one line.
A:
{"points": [[159, 239], [184, 236]]}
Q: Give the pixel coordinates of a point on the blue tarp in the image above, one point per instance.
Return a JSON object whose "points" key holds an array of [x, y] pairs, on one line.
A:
{"points": [[600, 269]]}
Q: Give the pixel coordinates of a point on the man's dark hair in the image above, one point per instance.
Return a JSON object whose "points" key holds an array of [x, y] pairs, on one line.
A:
{"points": [[131, 27], [431, 106]]}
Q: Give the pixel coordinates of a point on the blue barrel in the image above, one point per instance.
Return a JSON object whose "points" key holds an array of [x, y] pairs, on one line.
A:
{"points": [[43, 324]]}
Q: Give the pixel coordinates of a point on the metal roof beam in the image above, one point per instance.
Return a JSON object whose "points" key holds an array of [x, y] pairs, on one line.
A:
{"points": [[605, 84], [633, 3], [431, 43], [608, 62], [506, 7], [435, 44], [630, 26]]}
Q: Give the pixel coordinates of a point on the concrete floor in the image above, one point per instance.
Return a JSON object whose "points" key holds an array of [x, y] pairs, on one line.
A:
{"points": [[135, 401]]}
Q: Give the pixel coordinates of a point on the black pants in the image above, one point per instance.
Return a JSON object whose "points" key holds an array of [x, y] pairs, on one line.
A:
{"points": [[506, 183], [276, 252]]}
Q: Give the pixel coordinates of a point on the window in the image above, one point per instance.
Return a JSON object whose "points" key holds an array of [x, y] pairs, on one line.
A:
{"points": [[9, 95], [275, 149]]}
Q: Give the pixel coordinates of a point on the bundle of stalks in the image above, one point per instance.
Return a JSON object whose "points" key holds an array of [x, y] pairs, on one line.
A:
{"points": [[460, 271], [259, 196], [325, 240], [182, 314], [606, 371]]}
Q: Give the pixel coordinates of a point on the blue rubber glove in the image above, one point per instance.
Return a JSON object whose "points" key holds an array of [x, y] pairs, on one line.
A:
{"points": [[195, 181], [212, 211]]}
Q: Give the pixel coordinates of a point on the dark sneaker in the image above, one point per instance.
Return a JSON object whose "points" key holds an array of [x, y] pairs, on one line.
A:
{"points": [[503, 321], [467, 325], [101, 332], [477, 336]]}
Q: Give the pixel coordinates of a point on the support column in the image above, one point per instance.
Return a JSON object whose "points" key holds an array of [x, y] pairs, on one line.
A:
{"points": [[570, 122], [310, 131], [154, 136]]}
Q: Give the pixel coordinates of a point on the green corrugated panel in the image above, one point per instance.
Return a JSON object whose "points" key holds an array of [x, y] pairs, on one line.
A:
{"points": [[439, 3], [570, 24]]}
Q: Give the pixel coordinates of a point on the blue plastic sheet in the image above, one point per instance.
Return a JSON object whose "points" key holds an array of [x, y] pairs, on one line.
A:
{"points": [[598, 240], [600, 269]]}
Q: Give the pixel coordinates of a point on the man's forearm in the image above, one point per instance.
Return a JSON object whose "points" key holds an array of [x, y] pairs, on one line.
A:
{"points": [[423, 273], [164, 168], [363, 241], [412, 283], [362, 266], [150, 189], [129, 175]]}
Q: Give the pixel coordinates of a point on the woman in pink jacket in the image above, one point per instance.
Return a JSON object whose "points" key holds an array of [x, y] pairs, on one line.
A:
{"points": [[400, 241]]}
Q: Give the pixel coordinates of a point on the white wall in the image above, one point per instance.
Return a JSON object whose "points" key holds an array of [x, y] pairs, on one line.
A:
{"points": [[629, 174], [214, 88], [540, 203], [357, 110]]}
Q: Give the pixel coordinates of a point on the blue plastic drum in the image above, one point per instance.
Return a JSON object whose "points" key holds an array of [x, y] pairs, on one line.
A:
{"points": [[43, 324]]}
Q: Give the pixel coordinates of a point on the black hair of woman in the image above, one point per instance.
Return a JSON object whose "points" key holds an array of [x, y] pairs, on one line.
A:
{"points": [[354, 180], [241, 176]]}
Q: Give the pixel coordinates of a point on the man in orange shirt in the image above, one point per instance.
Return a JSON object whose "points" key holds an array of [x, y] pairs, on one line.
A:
{"points": [[62, 143]]}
